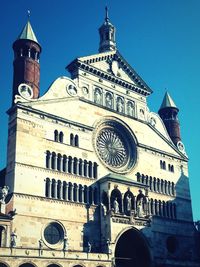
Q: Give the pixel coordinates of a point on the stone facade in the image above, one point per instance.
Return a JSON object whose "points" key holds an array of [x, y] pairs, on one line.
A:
{"points": [[94, 178]]}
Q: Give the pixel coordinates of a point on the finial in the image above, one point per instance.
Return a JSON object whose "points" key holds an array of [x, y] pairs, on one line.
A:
{"points": [[28, 14], [106, 18]]}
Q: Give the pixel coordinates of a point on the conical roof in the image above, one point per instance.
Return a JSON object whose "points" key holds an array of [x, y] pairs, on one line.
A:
{"points": [[167, 102], [27, 33]]}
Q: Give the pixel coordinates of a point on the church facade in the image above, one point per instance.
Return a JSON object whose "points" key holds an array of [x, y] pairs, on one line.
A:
{"points": [[93, 177]]}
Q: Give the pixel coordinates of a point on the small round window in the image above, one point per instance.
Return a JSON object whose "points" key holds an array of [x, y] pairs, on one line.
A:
{"points": [[53, 233], [172, 244]]}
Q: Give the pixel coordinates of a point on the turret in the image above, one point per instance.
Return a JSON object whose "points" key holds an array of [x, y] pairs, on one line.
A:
{"points": [[168, 112], [107, 35], [26, 76]]}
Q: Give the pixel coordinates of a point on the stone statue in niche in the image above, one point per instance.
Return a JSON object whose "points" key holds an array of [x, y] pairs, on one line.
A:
{"points": [[116, 206], [130, 109], [120, 105], [3, 193], [13, 238], [97, 96], [140, 210], [108, 100], [128, 204], [141, 204]]}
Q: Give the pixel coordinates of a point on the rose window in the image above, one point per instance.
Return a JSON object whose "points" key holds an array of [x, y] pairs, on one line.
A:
{"points": [[112, 148], [115, 146]]}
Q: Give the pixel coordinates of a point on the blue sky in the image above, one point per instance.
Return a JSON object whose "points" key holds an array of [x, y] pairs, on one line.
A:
{"points": [[159, 38]]}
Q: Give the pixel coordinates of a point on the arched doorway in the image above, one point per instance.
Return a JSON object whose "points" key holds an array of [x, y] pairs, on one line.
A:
{"points": [[27, 265], [132, 250]]}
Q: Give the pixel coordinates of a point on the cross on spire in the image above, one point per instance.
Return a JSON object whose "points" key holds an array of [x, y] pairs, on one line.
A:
{"points": [[106, 18]]}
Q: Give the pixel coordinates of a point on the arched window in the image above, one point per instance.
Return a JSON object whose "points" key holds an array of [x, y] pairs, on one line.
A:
{"points": [[56, 135], [156, 207], [80, 193], [48, 155], [53, 160], [70, 187], [85, 194], [27, 265], [162, 186], [80, 167], [90, 169], [75, 165], [95, 174], [59, 157], [3, 265], [75, 193], [48, 188], [164, 208], [152, 207], [164, 165], [70, 164], [160, 208], [173, 189], [85, 168], [71, 139], [54, 188], [61, 135], [154, 184], [64, 165], [91, 197], [59, 190], [116, 195], [76, 141], [158, 185], [65, 190], [150, 183]]}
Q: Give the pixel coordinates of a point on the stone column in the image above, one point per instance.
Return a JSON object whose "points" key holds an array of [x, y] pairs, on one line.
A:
{"points": [[82, 195]]}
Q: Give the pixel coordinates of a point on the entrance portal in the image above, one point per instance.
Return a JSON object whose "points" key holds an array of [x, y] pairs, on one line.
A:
{"points": [[132, 250]]}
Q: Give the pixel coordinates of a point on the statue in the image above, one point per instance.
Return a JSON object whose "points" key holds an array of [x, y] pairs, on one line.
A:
{"points": [[120, 105], [108, 100], [65, 243], [130, 108], [89, 247], [140, 211], [13, 238], [108, 246], [97, 96], [128, 203], [116, 206], [3, 193]]}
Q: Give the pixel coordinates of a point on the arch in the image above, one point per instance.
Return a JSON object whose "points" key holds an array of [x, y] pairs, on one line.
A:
{"points": [[54, 265], [90, 170], [76, 140], [129, 202], [59, 190], [69, 164], [109, 100], [75, 192], [56, 135], [91, 195], [47, 187], [59, 157], [80, 193], [71, 139], [54, 188], [64, 163], [116, 194], [95, 168], [61, 137], [75, 166], [28, 264], [85, 194], [80, 167], [136, 254], [53, 160], [48, 156], [85, 169], [2, 264]]}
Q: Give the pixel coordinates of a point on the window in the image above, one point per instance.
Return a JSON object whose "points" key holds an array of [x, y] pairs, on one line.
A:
{"points": [[53, 233]]}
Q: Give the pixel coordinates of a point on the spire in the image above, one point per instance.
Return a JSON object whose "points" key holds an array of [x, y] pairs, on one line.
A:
{"points": [[169, 115], [106, 18], [107, 35], [167, 102], [27, 32]]}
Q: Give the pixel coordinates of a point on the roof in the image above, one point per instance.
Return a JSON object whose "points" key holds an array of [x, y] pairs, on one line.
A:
{"points": [[27, 33], [167, 102]]}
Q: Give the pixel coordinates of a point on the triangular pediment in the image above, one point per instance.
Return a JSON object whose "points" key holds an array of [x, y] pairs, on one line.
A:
{"points": [[112, 66]]}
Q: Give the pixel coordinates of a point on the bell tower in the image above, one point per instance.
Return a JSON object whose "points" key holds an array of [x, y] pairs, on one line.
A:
{"points": [[26, 67], [169, 114], [107, 35]]}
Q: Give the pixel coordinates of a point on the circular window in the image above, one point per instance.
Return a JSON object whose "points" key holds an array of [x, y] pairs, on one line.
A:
{"points": [[25, 91], [115, 146], [171, 244], [53, 233], [71, 89]]}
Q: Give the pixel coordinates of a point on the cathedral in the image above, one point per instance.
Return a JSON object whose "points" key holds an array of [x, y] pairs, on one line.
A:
{"points": [[93, 178]]}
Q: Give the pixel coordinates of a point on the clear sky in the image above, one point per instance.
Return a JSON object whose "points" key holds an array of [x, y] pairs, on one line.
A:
{"points": [[159, 38]]}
